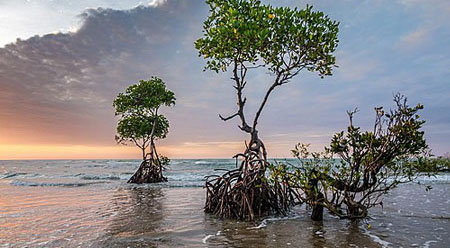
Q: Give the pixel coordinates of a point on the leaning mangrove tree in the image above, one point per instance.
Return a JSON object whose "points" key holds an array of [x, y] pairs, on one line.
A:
{"points": [[360, 167], [141, 124], [243, 35]]}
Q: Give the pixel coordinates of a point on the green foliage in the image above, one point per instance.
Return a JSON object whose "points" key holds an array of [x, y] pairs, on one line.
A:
{"points": [[282, 39], [165, 161], [369, 163], [433, 164], [138, 107], [138, 127], [144, 98], [396, 133], [239, 35]]}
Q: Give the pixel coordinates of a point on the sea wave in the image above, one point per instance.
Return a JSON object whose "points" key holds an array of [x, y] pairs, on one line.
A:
{"points": [[73, 173], [52, 184], [101, 177], [204, 162], [10, 175], [186, 177]]}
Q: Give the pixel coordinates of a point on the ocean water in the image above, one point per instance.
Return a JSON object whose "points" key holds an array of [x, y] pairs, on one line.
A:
{"points": [[87, 203]]}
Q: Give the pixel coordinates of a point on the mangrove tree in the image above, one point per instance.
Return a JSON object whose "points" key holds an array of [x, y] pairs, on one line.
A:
{"points": [[141, 124], [240, 36]]}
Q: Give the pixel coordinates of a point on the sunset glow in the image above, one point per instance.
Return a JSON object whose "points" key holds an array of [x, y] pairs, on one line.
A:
{"points": [[58, 80]]}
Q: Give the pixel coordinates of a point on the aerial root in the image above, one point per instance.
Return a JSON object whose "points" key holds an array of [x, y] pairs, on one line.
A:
{"points": [[148, 172], [245, 192]]}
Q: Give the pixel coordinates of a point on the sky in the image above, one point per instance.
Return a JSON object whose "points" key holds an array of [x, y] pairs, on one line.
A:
{"points": [[63, 62]]}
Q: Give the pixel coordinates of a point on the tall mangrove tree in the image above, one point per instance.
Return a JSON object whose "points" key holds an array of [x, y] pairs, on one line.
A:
{"points": [[239, 36]]}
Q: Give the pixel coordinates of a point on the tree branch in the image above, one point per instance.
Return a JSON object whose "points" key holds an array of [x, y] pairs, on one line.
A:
{"points": [[240, 84], [229, 117], [155, 122], [266, 97]]}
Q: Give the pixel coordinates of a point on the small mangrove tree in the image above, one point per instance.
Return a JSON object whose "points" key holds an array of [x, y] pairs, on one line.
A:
{"points": [[141, 124], [359, 167]]}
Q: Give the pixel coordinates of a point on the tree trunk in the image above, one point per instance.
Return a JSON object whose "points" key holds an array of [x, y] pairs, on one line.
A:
{"points": [[157, 158], [150, 170], [355, 210], [317, 199], [143, 154], [317, 211]]}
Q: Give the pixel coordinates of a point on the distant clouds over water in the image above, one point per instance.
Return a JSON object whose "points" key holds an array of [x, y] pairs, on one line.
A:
{"points": [[56, 89]]}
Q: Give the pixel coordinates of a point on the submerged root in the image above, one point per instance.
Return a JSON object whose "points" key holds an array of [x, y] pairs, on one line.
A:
{"points": [[245, 193], [148, 172]]}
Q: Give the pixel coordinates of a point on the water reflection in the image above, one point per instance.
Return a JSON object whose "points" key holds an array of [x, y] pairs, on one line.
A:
{"points": [[337, 233], [137, 218], [294, 231], [232, 233]]}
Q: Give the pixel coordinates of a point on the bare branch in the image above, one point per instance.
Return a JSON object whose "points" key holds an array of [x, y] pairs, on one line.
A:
{"points": [[229, 117], [240, 84]]}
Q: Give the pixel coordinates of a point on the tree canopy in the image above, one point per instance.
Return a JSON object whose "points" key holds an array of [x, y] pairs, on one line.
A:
{"points": [[144, 98], [283, 39], [138, 107], [138, 129], [247, 34], [370, 163]]}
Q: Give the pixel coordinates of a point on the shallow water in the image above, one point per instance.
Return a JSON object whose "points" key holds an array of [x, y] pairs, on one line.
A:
{"points": [[88, 204]]}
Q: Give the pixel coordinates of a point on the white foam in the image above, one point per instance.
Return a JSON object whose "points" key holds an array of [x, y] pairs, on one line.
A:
{"points": [[206, 238], [427, 244], [377, 239], [203, 162], [265, 221]]}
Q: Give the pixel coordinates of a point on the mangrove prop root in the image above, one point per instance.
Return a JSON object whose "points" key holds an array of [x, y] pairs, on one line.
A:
{"points": [[148, 172], [245, 193]]}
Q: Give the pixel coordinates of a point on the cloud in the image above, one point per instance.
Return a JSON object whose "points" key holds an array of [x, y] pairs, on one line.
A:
{"points": [[23, 18], [415, 38], [57, 89], [434, 15], [59, 82], [353, 70], [156, 3]]}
